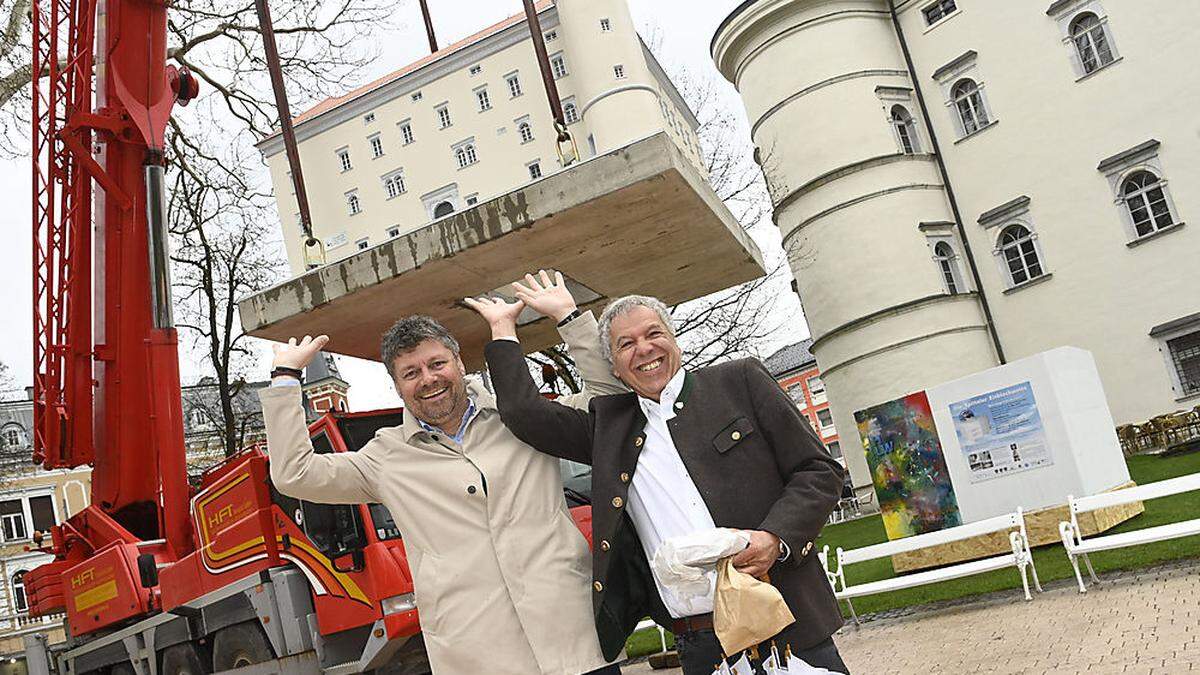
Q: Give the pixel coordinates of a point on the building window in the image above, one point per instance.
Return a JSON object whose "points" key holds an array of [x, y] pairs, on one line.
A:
{"points": [[14, 436], [417, 96], [796, 393], [906, 130], [368, 118], [443, 115], [570, 112], [551, 36], [475, 70], [485, 103], [619, 71], [525, 131], [472, 200], [465, 155], [1020, 254], [443, 209], [938, 10], [393, 232], [535, 170], [376, 146], [12, 520], [406, 132], [1146, 202], [835, 450], [344, 159], [605, 26], [20, 603], [393, 184], [353, 204], [514, 85], [1091, 42], [558, 64], [363, 244], [968, 101], [947, 262], [1184, 352], [825, 418], [816, 385]]}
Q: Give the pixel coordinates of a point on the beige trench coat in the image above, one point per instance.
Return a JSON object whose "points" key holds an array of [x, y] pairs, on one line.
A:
{"points": [[502, 576]]}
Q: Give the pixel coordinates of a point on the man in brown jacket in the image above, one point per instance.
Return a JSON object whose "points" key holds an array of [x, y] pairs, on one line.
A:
{"points": [[501, 573], [684, 451]]}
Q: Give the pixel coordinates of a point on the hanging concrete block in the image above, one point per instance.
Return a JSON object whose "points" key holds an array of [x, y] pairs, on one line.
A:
{"points": [[640, 219]]}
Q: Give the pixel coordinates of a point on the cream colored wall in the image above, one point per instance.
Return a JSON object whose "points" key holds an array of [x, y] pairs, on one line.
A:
{"points": [[429, 164], [1103, 296]]}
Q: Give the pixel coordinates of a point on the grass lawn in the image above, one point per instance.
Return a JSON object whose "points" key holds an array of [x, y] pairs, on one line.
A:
{"points": [[1051, 560]]}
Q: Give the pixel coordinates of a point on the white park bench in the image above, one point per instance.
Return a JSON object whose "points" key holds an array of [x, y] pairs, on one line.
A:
{"points": [[1077, 546], [1020, 557]]}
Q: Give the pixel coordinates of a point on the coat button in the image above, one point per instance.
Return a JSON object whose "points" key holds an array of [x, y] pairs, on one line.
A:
{"points": [[617, 502], [624, 477], [470, 489], [604, 546], [598, 586], [737, 435], [807, 548], [638, 441]]}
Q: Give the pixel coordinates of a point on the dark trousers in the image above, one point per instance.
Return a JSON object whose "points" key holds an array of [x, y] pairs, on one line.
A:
{"points": [[611, 669], [700, 652]]}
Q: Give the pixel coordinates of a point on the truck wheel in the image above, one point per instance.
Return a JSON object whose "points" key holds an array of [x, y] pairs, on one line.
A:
{"points": [[121, 669], [182, 659], [240, 645]]}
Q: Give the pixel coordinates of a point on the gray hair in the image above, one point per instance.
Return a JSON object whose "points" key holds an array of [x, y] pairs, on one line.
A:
{"points": [[621, 306], [407, 333]]}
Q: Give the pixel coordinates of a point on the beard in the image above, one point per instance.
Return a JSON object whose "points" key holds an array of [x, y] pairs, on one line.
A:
{"points": [[439, 411]]}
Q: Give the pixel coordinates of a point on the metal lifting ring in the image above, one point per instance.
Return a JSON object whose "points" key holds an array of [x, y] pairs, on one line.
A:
{"points": [[313, 244]]}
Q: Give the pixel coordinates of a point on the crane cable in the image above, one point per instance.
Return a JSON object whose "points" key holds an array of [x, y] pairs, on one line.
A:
{"points": [[568, 151]]}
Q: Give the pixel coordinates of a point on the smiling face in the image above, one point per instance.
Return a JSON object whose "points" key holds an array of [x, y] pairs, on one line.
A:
{"points": [[644, 353], [430, 379]]}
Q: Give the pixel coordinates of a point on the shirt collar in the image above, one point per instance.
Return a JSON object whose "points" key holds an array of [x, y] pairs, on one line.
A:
{"points": [[666, 399]]}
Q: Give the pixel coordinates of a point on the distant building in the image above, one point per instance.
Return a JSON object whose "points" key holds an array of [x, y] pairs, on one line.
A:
{"points": [[469, 123], [795, 368], [964, 182]]}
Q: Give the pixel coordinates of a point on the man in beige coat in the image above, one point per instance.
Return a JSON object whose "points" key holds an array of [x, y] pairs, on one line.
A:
{"points": [[502, 576]]}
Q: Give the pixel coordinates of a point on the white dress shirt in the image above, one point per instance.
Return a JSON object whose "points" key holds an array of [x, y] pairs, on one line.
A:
{"points": [[663, 499]]}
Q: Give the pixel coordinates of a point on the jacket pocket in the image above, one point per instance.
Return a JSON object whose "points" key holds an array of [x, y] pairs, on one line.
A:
{"points": [[733, 433]]}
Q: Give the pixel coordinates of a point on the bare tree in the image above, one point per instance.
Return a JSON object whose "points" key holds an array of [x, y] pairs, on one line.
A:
{"points": [[16, 71], [8, 386]]}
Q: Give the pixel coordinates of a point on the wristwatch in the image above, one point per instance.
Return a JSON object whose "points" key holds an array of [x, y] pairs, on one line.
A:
{"points": [[284, 371], [575, 314]]}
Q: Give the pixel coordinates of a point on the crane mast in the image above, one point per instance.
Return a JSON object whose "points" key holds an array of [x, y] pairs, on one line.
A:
{"points": [[106, 383]]}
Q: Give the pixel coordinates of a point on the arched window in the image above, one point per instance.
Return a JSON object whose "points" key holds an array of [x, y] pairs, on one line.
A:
{"points": [[13, 436], [443, 209], [570, 113], [20, 603], [969, 102], [1020, 254], [1147, 203], [944, 255], [1087, 32], [525, 131], [906, 130]]}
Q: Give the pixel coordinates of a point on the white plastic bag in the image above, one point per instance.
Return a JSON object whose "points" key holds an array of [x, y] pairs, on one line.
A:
{"points": [[795, 666], [686, 565]]}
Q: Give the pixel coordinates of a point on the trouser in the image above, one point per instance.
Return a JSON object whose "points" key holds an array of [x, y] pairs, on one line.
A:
{"points": [[610, 669], [700, 652]]}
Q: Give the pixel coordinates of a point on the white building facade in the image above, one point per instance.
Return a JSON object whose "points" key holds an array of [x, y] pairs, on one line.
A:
{"points": [[961, 183], [471, 122]]}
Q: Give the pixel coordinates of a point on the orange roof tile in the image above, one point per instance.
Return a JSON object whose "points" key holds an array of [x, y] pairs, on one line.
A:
{"points": [[333, 102]]}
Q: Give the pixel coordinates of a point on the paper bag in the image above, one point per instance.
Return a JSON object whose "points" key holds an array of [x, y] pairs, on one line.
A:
{"points": [[746, 611]]}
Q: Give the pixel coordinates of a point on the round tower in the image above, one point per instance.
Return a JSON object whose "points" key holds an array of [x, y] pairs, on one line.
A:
{"points": [[615, 91], [859, 201]]}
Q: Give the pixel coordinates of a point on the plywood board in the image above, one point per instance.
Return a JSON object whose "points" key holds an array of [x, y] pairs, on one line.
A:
{"points": [[641, 219]]}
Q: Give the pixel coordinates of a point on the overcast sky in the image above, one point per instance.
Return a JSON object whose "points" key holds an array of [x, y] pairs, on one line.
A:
{"points": [[685, 28]]}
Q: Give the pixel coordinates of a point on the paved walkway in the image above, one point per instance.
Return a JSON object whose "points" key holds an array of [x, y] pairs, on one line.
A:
{"points": [[1144, 622]]}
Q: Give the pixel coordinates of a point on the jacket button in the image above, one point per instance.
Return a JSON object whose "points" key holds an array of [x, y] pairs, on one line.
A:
{"points": [[737, 435], [624, 477], [598, 586], [604, 545], [807, 548], [617, 502], [638, 441], [470, 489]]}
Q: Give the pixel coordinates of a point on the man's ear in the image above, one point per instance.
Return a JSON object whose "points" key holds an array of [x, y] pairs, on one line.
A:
{"points": [[462, 369]]}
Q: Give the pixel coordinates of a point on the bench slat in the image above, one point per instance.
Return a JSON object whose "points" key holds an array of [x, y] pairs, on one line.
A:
{"points": [[931, 576], [1162, 488], [1143, 536], [1008, 521]]}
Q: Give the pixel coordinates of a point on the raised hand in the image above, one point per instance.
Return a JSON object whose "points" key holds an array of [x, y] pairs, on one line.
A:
{"points": [[298, 354], [498, 313], [545, 295]]}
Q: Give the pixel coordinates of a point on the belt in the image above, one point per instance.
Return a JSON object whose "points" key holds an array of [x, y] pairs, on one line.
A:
{"points": [[691, 624]]}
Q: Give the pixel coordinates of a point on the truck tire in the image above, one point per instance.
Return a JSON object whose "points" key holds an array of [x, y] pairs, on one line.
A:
{"points": [[121, 669], [240, 645], [181, 659]]}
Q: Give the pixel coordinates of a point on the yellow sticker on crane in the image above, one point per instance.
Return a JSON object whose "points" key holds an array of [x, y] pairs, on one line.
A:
{"points": [[94, 596]]}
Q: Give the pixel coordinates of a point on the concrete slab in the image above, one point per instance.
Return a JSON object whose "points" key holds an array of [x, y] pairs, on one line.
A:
{"points": [[641, 219]]}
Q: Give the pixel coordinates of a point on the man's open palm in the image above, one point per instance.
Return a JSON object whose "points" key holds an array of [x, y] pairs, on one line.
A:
{"points": [[546, 296], [298, 354]]}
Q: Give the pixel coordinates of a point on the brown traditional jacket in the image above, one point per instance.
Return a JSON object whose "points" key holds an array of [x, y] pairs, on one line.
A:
{"points": [[756, 462]]}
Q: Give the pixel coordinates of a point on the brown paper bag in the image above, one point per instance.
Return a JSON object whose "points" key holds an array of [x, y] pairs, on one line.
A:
{"points": [[746, 611]]}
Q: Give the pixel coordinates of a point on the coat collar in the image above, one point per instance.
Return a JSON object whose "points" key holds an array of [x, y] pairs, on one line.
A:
{"points": [[485, 404]]}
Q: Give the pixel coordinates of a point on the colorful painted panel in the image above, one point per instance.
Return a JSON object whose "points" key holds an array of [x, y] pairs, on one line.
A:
{"points": [[908, 467]]}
